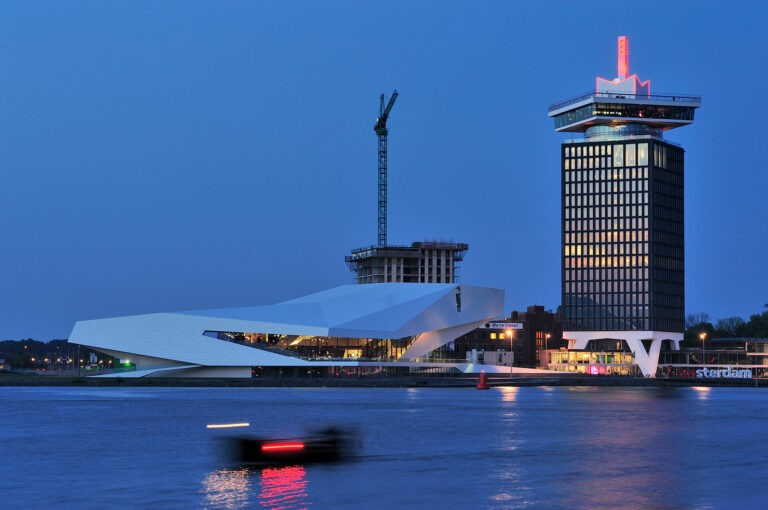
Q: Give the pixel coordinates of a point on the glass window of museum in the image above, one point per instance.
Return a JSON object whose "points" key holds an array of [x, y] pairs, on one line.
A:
{"points": [[319, 347], [622, 236]]}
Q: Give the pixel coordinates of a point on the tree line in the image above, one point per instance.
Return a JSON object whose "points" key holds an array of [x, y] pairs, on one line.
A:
{"points": [[21, 353], [729, 327]]}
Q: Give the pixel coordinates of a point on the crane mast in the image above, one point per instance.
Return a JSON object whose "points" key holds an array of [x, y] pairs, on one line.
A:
{"points": [[381, 132]]}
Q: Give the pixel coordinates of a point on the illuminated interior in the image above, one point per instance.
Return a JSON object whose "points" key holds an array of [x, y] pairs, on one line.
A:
{"points": [[594, 362], [318, 347], [646, 112]]}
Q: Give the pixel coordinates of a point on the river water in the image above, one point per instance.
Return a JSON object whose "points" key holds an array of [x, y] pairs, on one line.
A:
{"points": [[422, 448]]}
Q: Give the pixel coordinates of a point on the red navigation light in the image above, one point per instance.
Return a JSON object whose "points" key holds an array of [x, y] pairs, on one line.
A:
{"points": [[282, 447], [623, 57]]}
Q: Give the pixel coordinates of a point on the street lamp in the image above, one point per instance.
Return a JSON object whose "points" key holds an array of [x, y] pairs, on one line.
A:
{"points": [[702, 336], [509, 334]]}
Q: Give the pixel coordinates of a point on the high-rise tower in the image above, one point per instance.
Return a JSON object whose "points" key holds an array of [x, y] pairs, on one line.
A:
{"points": [[622, 217]]}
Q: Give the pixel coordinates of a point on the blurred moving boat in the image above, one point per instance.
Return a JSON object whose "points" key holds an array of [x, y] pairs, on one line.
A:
{"points": [[327, 445]]}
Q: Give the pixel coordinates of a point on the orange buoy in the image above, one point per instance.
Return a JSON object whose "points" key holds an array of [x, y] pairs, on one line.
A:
{"points": [[482, 383]]}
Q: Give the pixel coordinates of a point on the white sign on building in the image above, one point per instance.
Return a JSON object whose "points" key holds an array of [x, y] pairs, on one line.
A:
{"points": [[505, 325]]}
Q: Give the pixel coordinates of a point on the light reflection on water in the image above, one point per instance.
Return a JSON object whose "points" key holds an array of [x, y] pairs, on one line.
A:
{"points": [[702, 391], [508, 393], [617, 447], [281, 488], [227, 488]]}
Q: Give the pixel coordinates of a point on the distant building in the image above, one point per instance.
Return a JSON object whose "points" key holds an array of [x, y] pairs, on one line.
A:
{"points": [[421, 262], [599, 357], [717, 354], [727, 358], [526, 335], [542, 330]]}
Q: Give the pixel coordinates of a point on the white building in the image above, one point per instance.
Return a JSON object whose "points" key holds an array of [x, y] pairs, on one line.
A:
{"points": [[376, 325]]}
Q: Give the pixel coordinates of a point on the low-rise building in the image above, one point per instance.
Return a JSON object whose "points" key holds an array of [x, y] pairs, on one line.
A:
{"points": [[601, 357], [525, 336], [370, 328], [715, 357], [718, 358]]}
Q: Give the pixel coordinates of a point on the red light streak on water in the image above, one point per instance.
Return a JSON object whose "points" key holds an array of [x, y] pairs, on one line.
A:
{"points": [[284, 488]]}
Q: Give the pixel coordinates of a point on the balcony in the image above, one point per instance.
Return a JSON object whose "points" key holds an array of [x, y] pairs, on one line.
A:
{"points": [[681, 99]]}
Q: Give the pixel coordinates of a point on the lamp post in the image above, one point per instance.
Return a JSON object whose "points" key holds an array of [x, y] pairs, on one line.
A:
{"points": [[702, 336], [509, 334]]}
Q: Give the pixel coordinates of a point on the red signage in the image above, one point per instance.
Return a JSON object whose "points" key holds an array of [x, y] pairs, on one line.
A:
{"points": [[623, 57]]}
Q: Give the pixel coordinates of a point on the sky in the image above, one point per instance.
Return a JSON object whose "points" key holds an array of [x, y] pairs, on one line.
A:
{"points": [[181, 155]]}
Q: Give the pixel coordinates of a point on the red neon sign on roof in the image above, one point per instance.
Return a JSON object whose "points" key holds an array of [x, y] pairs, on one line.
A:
{"points": [[623, 57], [624, 84]]}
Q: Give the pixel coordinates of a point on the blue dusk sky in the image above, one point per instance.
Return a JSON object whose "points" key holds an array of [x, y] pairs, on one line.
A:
{"points": [[177, 155]]}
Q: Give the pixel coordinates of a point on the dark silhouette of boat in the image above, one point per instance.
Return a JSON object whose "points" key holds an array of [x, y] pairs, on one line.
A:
{"points": [[327, 445]]}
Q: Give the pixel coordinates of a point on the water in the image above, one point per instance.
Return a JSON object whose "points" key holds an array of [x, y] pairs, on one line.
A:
{"points": [[424, 448]]}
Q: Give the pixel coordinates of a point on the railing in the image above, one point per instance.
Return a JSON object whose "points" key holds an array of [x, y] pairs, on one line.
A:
{"points": [[375, 247], [438, 360], [431, 245], [675, 98]]}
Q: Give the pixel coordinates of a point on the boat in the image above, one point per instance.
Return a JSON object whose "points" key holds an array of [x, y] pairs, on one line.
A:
{"points": [[327, 445]]}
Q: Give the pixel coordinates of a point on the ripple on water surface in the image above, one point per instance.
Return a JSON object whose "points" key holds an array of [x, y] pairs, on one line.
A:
{"points": [[422, 448]]}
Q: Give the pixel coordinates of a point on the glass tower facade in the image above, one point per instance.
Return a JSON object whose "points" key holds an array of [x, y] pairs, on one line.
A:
{"points": [[622, 234]]}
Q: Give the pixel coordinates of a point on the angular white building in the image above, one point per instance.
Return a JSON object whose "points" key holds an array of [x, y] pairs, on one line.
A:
{"points": [[375, 325]]}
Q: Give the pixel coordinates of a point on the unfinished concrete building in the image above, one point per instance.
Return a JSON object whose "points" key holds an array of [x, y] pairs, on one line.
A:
{"points": [[421, 262]]}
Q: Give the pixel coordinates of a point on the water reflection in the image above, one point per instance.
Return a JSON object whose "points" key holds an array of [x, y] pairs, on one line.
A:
{"points": [[281, 488], [625, 459], [609, 447], [284, 488], [702, 392], [227, 488], [508, 393]]}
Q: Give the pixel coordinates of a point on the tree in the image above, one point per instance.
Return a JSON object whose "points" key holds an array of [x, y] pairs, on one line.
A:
{"points": [[729, 327], [757, 327], [696, 319], [695, 324], [21, 360]]}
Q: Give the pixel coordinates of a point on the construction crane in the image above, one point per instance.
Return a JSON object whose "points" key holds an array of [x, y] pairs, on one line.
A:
{"points": [[381, 131]]}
